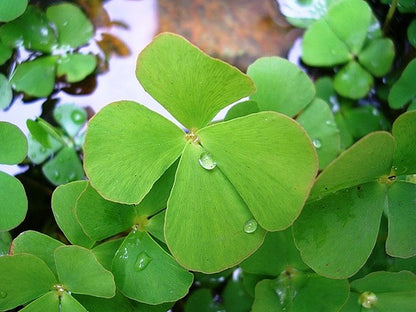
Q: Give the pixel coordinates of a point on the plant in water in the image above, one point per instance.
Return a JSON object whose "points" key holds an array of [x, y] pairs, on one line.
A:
{"points": [[224, 215], [50, 33]]}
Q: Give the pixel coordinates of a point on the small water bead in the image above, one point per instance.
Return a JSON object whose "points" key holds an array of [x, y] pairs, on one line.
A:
{"points": [[77, 117], [367, 299], [250, 226], [206, 161], [143, 260], [317, 143], [3, 294]]}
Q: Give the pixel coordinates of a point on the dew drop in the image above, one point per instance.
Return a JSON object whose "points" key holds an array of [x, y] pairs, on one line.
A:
{"points": [[143, 260], [77, 117], [42, 150], [250, 226], [317, 143], [367, 299], [56, 174], [206, 161], [3, 294]]}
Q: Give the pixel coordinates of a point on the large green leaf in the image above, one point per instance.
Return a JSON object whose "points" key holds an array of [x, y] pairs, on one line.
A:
{"points": [[5, 89], [205, 219], [278, 82], [11, 9], [35, 78], [13, 144], [37, 244], [403, 90], [285, 163], [144, 272], [404, 132], [127, 148], [13, 202], [48, 302], [367, 160], [192, 86], [63, 203], [70, 20], [385, 292], [337, 233], [40, 36], [318, 121], [402, 218], [24, 277], [81, 273]]}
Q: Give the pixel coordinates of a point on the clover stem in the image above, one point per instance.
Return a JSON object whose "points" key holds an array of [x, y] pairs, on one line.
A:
{"points": [[389, 16]]}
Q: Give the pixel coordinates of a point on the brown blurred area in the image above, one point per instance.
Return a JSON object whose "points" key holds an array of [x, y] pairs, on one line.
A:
{"points": [[236, 31]]}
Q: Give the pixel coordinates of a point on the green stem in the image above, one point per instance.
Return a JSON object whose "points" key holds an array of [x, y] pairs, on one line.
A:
{"points": [[389, 16]]}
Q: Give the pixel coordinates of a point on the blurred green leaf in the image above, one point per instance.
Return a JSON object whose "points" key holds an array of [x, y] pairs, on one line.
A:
{"points": [[5, 90], [11, 9], [403, 90], [378, 56], [201, 300], [70, 117], [13, 144], [40, 36], [353, 81], [65, 167], [5, 52], [76, 67], [411, 33], [242, 109], [35, 78], [278, 82], [69, 20]]}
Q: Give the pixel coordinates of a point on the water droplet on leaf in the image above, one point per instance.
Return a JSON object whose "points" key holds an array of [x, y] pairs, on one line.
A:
{"points": [[206, 161], [42, 150], [56, 174], [77, 117], [367, 299], [3, 294], [250, 226], [317, 143], [143, 260]]}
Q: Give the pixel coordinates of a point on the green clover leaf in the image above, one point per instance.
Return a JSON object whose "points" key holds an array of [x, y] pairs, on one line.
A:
{"points": [[213, 195], [349, 197]]}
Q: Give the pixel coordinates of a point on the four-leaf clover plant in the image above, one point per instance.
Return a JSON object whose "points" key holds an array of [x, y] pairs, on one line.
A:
{"points": [[234, 180]]}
